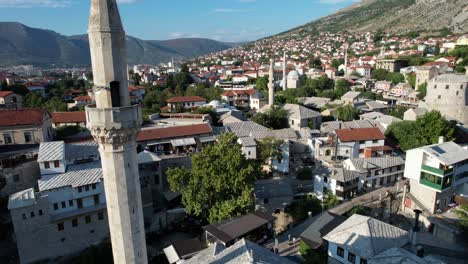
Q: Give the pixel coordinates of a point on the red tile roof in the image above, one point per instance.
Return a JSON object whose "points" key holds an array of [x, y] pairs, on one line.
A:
{"points": [[185, 99], [14, 117], [174, 132], [239, 92], [359, 134], [83, 98], [5, 93], [69, 117]]}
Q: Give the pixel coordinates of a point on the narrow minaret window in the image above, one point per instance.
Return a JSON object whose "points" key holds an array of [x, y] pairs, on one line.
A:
{"points": [[115, 93]]}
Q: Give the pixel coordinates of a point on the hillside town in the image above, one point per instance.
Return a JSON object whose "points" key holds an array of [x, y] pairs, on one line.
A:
{"points": [[298, 148]]}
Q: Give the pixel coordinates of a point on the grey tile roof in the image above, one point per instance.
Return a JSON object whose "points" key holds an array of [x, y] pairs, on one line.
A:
{"points": [[242, 252], [50, 151], [76, 175], [147, 157], [248, 142], [451, 78], [320, 226], [343, 175], [81, 150], [300, 112], [375, 105], [363, 164], [399, 255], [351, 95], [388, 120], [245, 129], [316, 102], [366, 236], [448, 152]]}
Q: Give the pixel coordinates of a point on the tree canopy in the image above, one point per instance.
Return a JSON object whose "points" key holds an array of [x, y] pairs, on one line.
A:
{"points": [[426, 130], [274, 118], [346, 113], [220, 183]]}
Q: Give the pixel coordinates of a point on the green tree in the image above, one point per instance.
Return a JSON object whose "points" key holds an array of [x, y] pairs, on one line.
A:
{"points": [[330, 201], [395, 77], [299, 209], [33, 100], [55, 105], [336, 63], [262, 83], [422, 89], [341, 88], [411, 80], [269, 148], [437, 49], [304, 174], [310, 256], [426, 130], [369, 95], [274, 118], [398, 111], [207, 110], [379, 74], [220, 183], [462, 213], [358, 209], [346, 113]]}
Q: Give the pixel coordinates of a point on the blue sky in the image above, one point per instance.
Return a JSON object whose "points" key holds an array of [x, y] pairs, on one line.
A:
{"points": [[225, 20]]}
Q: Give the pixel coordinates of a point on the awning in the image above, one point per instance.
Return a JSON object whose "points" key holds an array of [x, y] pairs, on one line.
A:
{"points": [[207, 139], [183, 142]]}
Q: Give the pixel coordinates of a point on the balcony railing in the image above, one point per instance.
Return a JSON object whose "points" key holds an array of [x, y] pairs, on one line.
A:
{"points": [[436, 170], [431, 184]]}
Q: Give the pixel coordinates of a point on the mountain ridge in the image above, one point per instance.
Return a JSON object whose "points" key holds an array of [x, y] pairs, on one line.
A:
{"points": [[21, 44]]}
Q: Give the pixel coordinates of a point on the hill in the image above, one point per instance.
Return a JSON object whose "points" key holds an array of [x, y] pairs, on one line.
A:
{"points": [[20, 44], [394, 16]]}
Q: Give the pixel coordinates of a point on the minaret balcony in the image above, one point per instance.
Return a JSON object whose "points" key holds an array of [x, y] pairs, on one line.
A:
{"points": [[127, 117]]}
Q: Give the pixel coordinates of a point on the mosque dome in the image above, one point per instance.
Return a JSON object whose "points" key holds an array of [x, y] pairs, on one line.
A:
{"points": [[293, 75], [215, 104]]}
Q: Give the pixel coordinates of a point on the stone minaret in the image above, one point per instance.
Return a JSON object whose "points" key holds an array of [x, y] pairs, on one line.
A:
{"points": [[284, 72], [346, 60], [271, 85], [114, 124]]}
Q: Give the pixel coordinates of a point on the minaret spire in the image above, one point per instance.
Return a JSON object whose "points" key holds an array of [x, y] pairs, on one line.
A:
{"points": [[271, 85], [284, 72], [346, 60], [114, 124]]}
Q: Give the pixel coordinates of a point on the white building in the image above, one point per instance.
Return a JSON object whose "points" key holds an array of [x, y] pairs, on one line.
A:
{"points": [[300, 117], [360, 238], [438, 173], [293, 80]]}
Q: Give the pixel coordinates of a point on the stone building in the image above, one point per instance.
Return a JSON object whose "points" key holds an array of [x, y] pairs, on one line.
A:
{"points": [[25, 126], [424, 74], [448, 93], [9, 99], [391, 65]]}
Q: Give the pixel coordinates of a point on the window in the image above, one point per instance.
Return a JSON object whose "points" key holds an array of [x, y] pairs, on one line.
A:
{"points": [[458, 92], [340, 252], [70, 203], [40, 212], [86, 188], [351, 257], [249, 153], [16, 178], [79, 203], [439, 96], [80, 189], [60, 226], [93, 186], [375, 141], [362, 142], [56, 163], [100, 215], [363, 261], [46, 165], [96, 199], [24, 217], [88, 219], [7, 138], [74, 222], [447, 86], [55, 206], [27, 137], [33, 214], [435, 86]]}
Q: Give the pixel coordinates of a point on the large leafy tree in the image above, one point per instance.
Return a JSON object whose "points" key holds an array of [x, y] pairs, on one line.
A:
{"points": [[346, 113], [269, 148], [220, 183], [275, 118], [426, 130]]}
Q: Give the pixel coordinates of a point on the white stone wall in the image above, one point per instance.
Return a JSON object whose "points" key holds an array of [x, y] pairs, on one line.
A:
{"points": [[52, 169], [20, 178], [332, 253]]}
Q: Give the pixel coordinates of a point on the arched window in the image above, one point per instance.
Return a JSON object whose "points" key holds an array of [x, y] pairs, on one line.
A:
{"points": [[115, 93]]}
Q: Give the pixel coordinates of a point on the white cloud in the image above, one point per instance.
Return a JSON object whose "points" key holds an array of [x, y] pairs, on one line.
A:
{"points": [[47, 3], [230, 35], [224, 10]]}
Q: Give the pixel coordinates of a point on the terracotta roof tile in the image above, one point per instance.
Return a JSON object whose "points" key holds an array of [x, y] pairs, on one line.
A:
{"points": [[174, 132], [359, 134], [5, 93], [69, 117], [17, 117], [185, 99]]}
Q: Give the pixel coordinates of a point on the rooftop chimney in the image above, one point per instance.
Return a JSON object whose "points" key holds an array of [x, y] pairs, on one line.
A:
{"points": [[441, 139], [416, 229]]}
